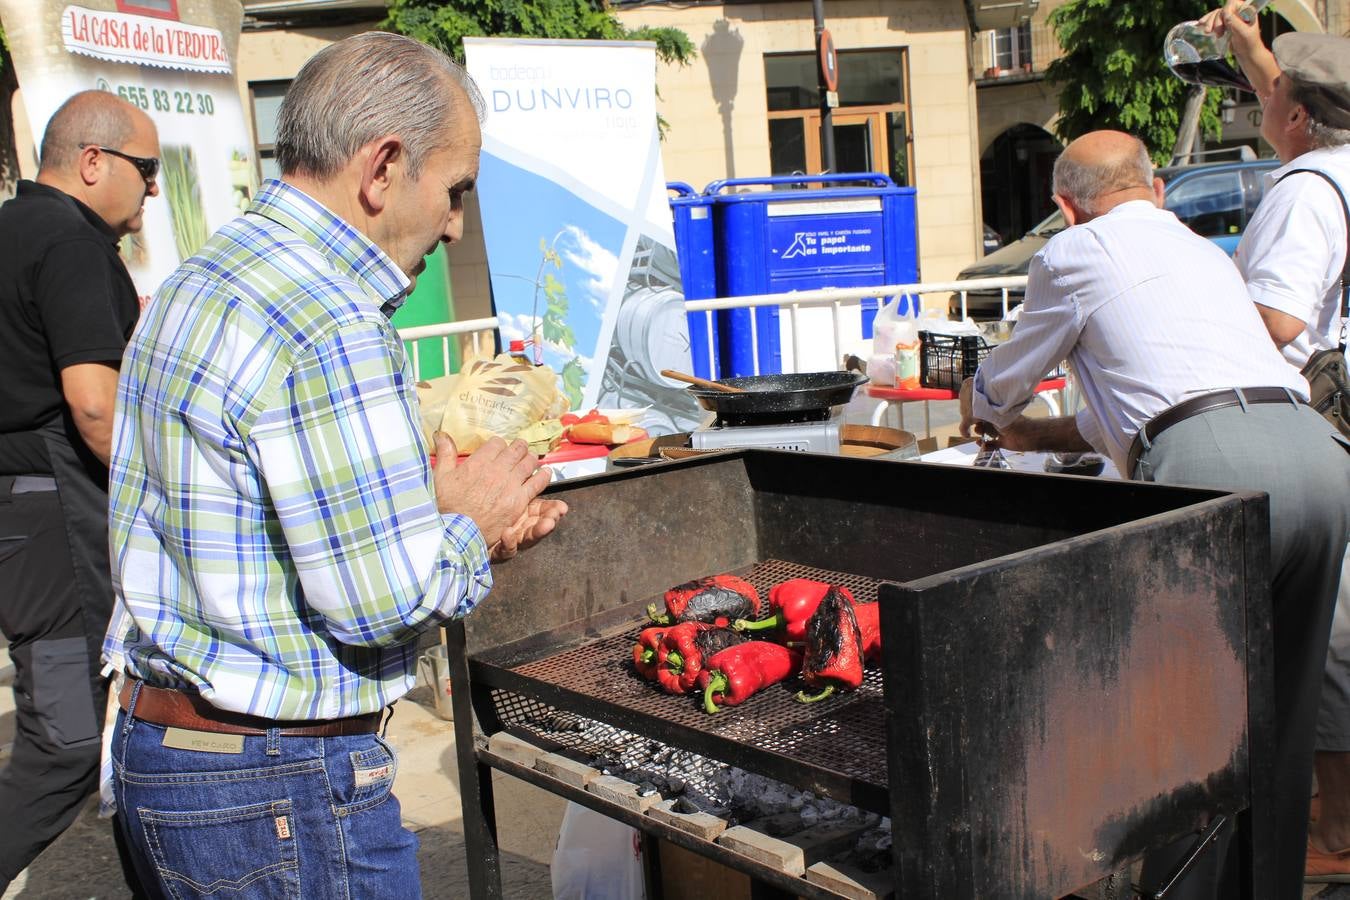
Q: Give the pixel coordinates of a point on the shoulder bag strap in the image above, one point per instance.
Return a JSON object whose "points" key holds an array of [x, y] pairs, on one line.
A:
{"points": [[1345, 270]]}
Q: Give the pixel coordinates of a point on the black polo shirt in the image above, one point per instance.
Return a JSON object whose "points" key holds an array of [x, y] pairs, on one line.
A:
{"points": [[65, 298]]}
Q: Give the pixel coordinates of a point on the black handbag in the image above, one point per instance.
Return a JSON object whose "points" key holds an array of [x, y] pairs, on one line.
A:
{"points": [[1326, 370]]}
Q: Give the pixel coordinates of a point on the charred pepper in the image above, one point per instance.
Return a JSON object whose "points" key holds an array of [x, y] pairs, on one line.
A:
{"points": [[868, 616], [792, 603], [685, 648], [644, 651], [735, 674], [833, 648], [719, 599]]}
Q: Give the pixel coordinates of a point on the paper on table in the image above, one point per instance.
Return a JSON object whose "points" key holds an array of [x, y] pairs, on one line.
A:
{"points": [[965, 454]]}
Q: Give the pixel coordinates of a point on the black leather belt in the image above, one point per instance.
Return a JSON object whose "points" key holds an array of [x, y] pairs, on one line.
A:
{"points": [[1195, 406]]}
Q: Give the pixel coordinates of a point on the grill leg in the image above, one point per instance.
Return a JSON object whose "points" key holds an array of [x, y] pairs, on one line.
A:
{"points": [[475, 780]]}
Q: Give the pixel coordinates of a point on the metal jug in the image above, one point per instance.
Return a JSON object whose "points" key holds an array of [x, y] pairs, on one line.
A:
{"points": [[434, 667]]}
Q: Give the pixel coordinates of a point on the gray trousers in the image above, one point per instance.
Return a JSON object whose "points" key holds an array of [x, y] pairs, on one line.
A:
{"points": [[1295, 456], [1333, 718]]}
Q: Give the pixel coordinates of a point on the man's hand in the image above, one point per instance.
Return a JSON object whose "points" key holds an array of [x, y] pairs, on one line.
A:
{"points": [[1022, 433], [540, 518], [1244, 37], [971, 426], [497, 487]]}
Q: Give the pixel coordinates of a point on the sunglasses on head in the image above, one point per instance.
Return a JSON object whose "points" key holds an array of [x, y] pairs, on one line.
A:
{"points": [[148, 166]]}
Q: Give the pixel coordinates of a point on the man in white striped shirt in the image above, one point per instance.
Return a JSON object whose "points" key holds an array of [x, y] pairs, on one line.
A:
{"points": [[1182, 384]]}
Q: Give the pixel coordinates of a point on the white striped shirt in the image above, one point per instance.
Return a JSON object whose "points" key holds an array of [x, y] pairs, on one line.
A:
{"points": [[1148, 314]]}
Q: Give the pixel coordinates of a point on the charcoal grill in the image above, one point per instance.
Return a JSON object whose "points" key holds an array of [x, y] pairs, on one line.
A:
{"points": [[1076, 670]]}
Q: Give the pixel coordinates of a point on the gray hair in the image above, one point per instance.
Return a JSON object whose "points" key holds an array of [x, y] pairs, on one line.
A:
{"points": [[363, 87], [1320, 134], [89, 117], [1085, 182]]}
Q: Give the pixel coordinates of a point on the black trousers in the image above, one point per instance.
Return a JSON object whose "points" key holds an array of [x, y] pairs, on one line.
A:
{"points": [[59, 696]]}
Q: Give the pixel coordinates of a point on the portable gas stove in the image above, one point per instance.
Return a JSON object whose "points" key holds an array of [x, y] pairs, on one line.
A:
{"points": [[821, 436]]}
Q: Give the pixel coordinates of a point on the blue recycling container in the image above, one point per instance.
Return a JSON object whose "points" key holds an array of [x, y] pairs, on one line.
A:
{"points": [[692, 213], [844, 234]]}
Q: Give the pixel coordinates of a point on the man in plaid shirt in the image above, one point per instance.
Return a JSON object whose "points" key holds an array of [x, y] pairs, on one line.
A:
{"points": [[278, 542]]}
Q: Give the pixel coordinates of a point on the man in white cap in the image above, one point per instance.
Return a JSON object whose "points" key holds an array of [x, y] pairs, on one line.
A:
{"points": [[1293, 256]]}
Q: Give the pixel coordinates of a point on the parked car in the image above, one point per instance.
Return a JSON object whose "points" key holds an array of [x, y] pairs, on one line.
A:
{"points": [[1215, 199], [992, 240]]}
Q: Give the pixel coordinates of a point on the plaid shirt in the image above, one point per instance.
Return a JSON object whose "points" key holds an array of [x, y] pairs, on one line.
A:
{"points": [[274, 531]]}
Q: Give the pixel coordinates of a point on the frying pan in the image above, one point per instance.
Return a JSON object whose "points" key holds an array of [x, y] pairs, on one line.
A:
{"points": [[766, 399]]}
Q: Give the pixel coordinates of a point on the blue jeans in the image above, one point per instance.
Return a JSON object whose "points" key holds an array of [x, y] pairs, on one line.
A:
{"points": [[287, 817]]}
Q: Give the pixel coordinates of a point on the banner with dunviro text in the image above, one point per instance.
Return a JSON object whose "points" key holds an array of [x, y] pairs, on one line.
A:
{"points": [[580, 243], [174, 60]]}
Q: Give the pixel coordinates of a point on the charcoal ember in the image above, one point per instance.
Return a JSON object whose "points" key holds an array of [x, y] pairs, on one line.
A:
{"points": [[647, 788], [675, 784]]}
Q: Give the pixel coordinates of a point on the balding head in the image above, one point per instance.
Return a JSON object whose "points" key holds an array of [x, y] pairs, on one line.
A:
{"points": [[89, 117], [1101, 170], [96, 149]]}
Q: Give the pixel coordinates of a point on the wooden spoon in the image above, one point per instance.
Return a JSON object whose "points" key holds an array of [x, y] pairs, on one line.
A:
{"points": [[702, 382]]}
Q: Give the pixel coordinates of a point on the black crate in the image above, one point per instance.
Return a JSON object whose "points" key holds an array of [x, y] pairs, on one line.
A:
{"points": [[949, 360]]}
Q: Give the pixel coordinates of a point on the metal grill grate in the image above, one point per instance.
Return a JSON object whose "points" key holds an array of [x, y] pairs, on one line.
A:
{"points": [[845, 733]]}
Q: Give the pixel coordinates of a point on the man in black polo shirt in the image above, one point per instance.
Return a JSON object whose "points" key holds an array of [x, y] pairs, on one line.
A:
{"points": [[67, 309]]}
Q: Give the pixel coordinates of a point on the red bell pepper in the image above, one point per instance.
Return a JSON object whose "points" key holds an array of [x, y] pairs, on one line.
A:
{"points": [[683, 651], [644, 651], [734, 675], [793, 603], [868, 616], [834, 656], [719, 599]]}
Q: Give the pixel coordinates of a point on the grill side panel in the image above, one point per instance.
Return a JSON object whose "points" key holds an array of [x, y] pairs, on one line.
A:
{"points": [[1073, 710]]}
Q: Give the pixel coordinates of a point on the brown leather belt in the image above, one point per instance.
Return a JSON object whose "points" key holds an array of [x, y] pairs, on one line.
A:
{"points": [[180, 709], [1195, 406]]}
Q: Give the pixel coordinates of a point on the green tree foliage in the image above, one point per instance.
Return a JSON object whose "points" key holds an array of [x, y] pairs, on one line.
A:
{"points": [[445, 24], [1112, 73]]}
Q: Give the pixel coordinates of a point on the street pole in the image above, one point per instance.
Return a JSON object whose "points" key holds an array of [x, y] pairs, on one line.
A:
{"points": [[1189, 128], [826, 117]]}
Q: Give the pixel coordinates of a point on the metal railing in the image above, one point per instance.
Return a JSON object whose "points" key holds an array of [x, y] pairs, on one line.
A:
{"points": [[447, 331], [792, 303]]}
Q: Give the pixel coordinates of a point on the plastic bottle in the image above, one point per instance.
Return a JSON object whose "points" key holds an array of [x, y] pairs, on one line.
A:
{"points": [[516, 350], [906, 355]]}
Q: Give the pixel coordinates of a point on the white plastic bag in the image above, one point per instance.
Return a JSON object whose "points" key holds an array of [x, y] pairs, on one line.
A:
{"points": [[895, 315], [596, 858], [933, 320]]}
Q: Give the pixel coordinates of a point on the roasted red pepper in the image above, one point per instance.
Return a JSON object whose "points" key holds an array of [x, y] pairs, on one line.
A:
{"points": [[683, 651], [735, 674], [834, 656], [868, 616], [644, 651], [793, 603], [719, 599]]}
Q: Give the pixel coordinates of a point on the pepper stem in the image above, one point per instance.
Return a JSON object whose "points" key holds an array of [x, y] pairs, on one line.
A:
{"points": [[772, 621], [717, 684], [674, 662], [648, 657], [657, 618], [804, 697]]}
